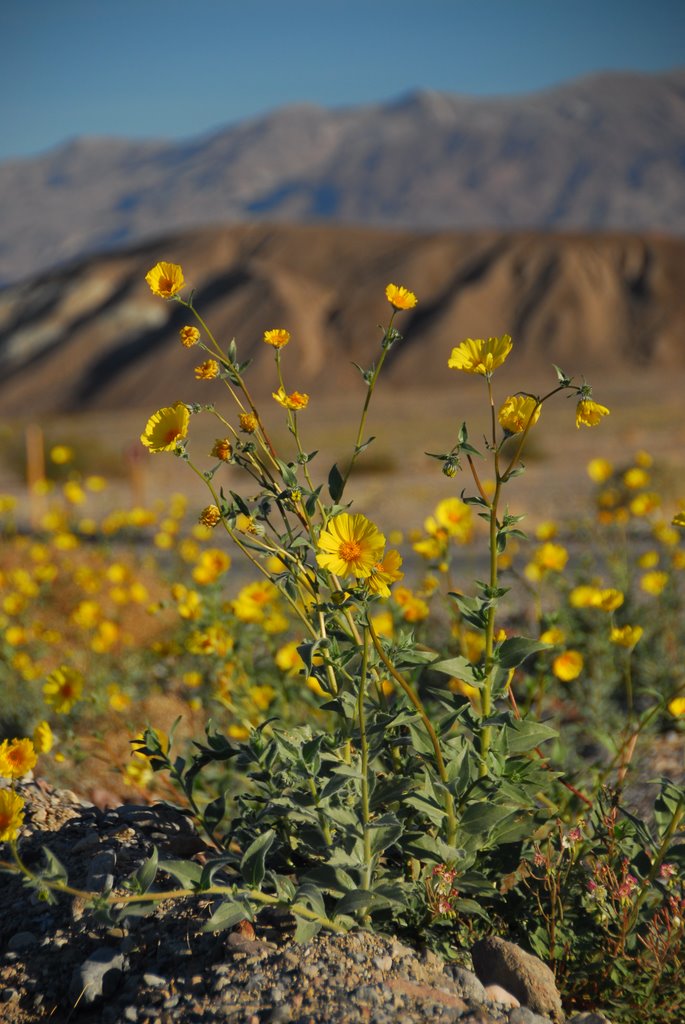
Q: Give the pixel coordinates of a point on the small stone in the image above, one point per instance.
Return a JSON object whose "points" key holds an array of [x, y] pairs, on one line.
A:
{"points": [[276, 994], [97, 976], [101, 871], [280, 1015], [21, 941], [467, 983], [383, 963], [130, 1014], [525, 1016], [154, 980], [171, 1002], [497, 994], [311, 970]]}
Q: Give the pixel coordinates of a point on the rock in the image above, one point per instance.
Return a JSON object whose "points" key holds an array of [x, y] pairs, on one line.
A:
{"points": [[497, 994], [97, 976], [101, 871], [588, 1017], [21, 941], [468, 984], [525, 1016], [498, 962]]}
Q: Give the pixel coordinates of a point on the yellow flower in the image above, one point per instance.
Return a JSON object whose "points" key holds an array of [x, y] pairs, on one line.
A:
{"points": [[635, 477], [350, 545], [609, 600], [646, 503], [165, 279], [262, 696], [166, 428], [222, 449], [384, 573], [43, 738], [626, 636], [551, 557], [517, 412], [207, 370], [554, 635], [400, 297], [649, 560], [253, 601], [654, 582], [679, 519], [16, 758], [480, 355], [117, 699], [412, 608], [472, 693], [296, 400], [238, 732], [675, 706], [288, 658], [209, 516], [568, 666], [248, 422], [63, 689], [546, 530], [213, 640], [189, 336], [599, 470], [60, 454], [589, 413], [278, 337], [11, 815]]}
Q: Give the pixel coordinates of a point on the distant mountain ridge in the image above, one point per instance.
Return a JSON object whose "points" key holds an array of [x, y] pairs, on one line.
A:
{"points": [[601, 153], [92, 336]]}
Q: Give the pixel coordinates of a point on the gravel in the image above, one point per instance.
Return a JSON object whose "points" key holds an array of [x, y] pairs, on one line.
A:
{"points": [[59, 964]]}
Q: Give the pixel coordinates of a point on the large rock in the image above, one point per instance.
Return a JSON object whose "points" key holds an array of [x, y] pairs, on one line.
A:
{"points": [[498, 962]]}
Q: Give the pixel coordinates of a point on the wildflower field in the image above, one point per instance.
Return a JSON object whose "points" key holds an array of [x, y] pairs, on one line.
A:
{"points": [[437, 718]]}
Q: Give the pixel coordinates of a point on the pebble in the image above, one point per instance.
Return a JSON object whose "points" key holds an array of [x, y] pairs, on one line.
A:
{"points": [[21, 941]]}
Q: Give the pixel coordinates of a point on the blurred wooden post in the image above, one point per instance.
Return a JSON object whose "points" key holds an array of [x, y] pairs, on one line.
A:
{"points": [[35, 472], [134, 455]]}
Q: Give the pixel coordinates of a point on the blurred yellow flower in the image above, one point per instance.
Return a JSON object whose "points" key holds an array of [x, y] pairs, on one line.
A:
{"points": [[238, 732], [649, 560], [517, 412], [589, 413], [73, 492], [609, 599], [654, 582], [383, 624], [626, 636], [666, 534], [677, 707], [212, 640], [189, 336], [679, 519], [412, 608], [554, 635], [551, 557], [644, 459], [63, 688], [400, 297], [165, 279], [635, 477], [11, 815], [61, 454], [384, 573], [646, 503], [480, 355], [209, 516], [546, 530], [294, 401], [262, 696], [350, 545], [17, 757], [568, 666], [212, 563], [43, 738], [253, 600], [117, 699], [278, 337], [599, 470], [207, 370], [166, 428]]}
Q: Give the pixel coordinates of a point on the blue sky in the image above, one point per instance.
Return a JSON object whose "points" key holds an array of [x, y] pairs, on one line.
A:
{"points": [[178, 68]]}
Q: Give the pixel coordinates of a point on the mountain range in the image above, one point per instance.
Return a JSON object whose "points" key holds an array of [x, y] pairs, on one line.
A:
{"points": [[91, 336], [601, 153]]}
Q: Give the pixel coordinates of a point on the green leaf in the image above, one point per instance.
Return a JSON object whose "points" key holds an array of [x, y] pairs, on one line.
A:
{"points": [[358, 899], [459, 666], [305, 930], [336, 484], [521, 735], [362, 447], [145, 875], [383, 832], [516, 649], [252, 864], [479, 818], [214, 812], [184, 871], [228, 913]]}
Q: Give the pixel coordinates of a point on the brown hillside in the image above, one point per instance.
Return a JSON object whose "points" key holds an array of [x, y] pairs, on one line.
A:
{"points": [[91, 336]]}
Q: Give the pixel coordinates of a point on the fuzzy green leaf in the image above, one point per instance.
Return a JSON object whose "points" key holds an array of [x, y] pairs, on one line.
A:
{"points": [[252, 864]]}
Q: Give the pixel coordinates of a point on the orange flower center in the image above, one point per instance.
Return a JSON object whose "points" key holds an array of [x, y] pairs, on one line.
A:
{"points": [[171, 435], [66, 690], [349, 550], [165, 284]]}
